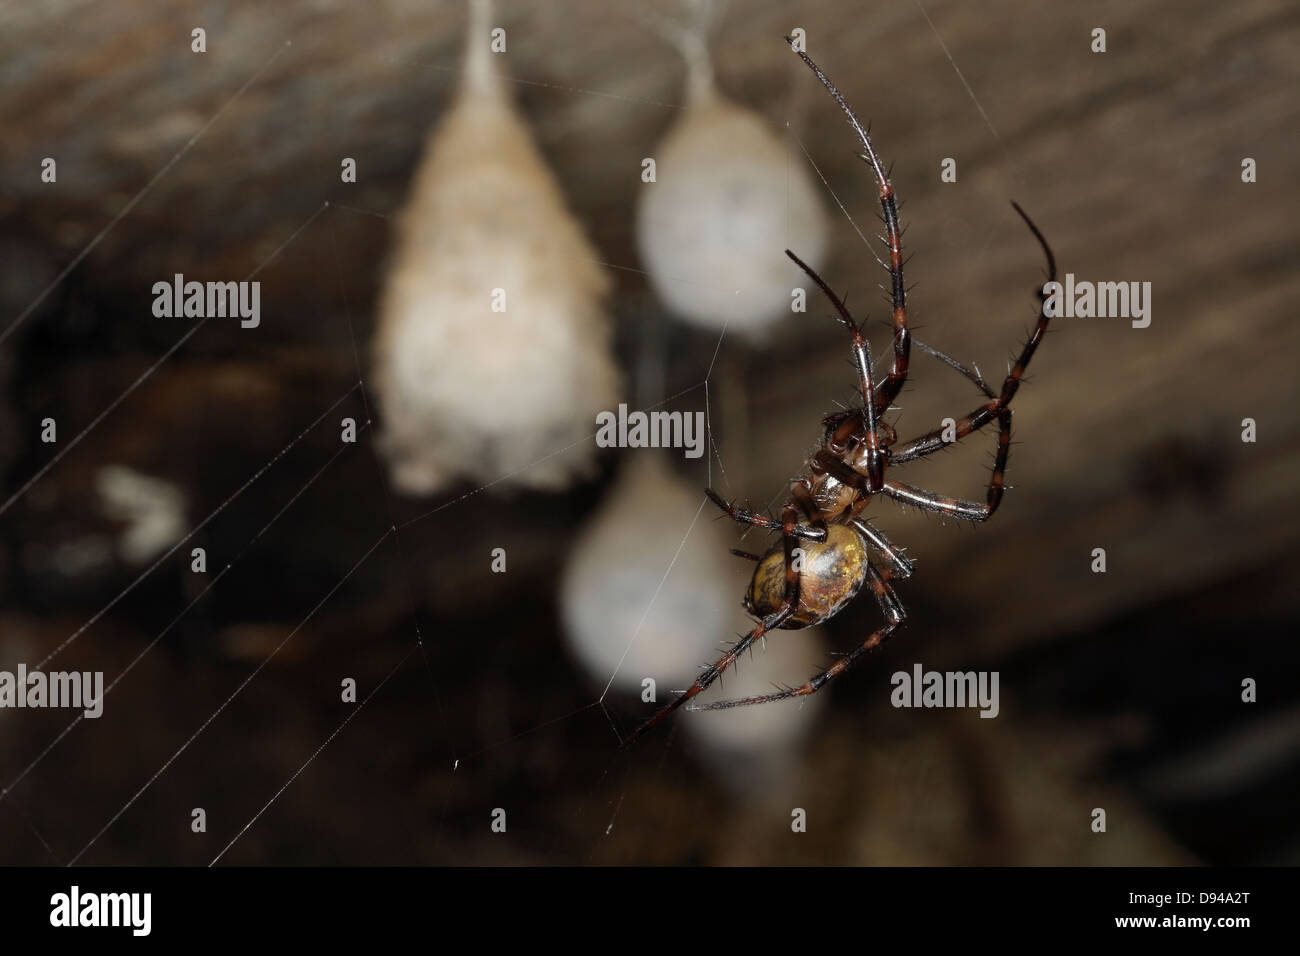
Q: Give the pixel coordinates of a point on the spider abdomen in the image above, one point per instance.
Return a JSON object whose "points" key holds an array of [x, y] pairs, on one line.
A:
{"points": [[831, 574]]}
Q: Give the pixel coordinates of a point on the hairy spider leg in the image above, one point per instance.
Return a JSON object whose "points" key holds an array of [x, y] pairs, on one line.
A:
{"points": [[834, 421], [745, 516], [862, 360], [897, 377], [789, 602], [813, 685], [901, 567], [996, 407], [890, 606]]}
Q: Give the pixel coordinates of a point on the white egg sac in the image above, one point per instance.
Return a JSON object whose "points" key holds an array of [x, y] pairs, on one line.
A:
{"points": [[728, 200], [492, 354], [640, 597]]}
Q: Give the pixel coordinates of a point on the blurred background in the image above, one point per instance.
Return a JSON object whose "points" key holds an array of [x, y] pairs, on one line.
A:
{"points": [[495, 689]]}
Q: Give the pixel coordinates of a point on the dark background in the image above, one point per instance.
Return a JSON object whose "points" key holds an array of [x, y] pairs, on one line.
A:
{"points": [[1119, 691]]}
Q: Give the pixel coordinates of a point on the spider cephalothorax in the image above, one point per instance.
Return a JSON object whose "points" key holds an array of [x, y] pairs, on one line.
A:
{"points": [[825, 554]]}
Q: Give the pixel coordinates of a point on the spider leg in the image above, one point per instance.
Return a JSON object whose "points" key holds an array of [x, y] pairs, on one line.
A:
{"points": [[790, 601], [861, 350], [947, 505], [893, 383], [714, 671], [890, 606], [745, 516], [802, 494], [842, 425], [901, 567], [862, 359], [995, 408], [972, 374], [943, 504], [933, 441]]}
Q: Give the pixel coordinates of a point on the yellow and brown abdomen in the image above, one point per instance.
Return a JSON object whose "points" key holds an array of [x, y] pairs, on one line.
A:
{"points": [[830, 575]]}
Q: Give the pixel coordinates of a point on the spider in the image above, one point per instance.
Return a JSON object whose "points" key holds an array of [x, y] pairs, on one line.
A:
{"points": [[824, 557]]}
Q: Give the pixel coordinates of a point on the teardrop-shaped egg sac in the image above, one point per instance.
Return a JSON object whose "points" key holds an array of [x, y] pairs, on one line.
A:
{"points": [[492, 356], [649, 589], [729, 198]]}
